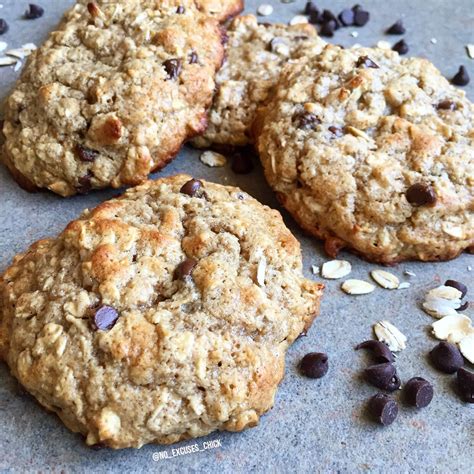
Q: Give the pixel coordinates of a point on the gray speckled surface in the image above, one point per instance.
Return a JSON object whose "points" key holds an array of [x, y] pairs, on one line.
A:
{"points": [[315, 425]]}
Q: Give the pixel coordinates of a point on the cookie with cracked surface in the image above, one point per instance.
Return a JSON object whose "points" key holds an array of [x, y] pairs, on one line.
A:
{"points": [[162, 315], [256, 54], [111, 95], [373, 152]]}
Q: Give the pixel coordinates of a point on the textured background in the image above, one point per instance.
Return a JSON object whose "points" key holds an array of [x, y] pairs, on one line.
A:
{"points": [[315, 425]]}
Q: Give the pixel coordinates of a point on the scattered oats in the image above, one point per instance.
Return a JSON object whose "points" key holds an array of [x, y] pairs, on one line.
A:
{"points": [[29, 47], [404, 285], [355, 34], [262, 267], [469, 268], [336, 269], [393, 337], [315, 269], [356, 45], [434, 40], [470, 50], [442, 301], [265, 9], [5, 61], [213, 159], [409, 273], [384, 45], [3, 46], [16, 53], [466, 346], [18, 65], [298, 19], [453, 328], [385, 279], [357, 287]]}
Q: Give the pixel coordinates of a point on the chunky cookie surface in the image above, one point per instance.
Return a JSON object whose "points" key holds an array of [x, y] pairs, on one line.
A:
{"points": [[372, 152], [112, 94], [255, 56], [162, 315]]}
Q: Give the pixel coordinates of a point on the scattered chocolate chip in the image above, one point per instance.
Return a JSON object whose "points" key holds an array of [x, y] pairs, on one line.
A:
{"points": [[310, 7], [306, 120], [191, 187], [418, 392], [328, 15], [446, 357], [328, 28], [401, 47], [383, 408], [466, 385], [361, 17], [180, 10], [85, 184], [241, 163], [357, 7], [84, 153], [33, 12], [464, 306], [185, 269], [314, 365], [420, 194], [193, 58], [302, 334], [105, 318], [383, 376], [346, 17], [336, 131], [396, 29], [365, 61], [98, 446], [458, 285], [315, 17], [379, 349], [3, 26], [461, 78], [172, 68], [446, 105]]}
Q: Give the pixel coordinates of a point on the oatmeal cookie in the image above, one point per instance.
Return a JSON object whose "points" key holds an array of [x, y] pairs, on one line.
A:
{"points": [[162, 315], [112, 94], [373, 152], [256, 54]]}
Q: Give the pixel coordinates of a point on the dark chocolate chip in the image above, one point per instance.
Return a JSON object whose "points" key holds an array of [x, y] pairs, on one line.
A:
{"points": [[185, 269], [418, 392], [85, 184], [180, 10], [3, 26], [447, 105], [379, 349], [302, 334], [463, 307], [336, 131], [446, 357], [105, 318], [346, 17], [365, 61], [461, 78], [466, 385], [85, 154], [306, 120], [172, 68], [310, 7], [98, 446], [421, 194], [328, 28], [328, 15], [33, 12], [401, 47], [383, 408], [383, 376], [396, 29], [314, 365], [458, 285], [315, 17], [191, 187], [361, 17], [242, 163], [193, 58], [357, 7]]}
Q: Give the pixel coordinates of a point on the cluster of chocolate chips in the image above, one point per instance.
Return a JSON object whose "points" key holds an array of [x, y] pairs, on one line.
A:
{"points": [[329, 22], [401, 47], [417, 392]]}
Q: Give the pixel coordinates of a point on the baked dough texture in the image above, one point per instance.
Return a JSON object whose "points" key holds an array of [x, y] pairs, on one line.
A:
{"points": [[108, 328], [373, 152], [112, 94], [255, 55]]}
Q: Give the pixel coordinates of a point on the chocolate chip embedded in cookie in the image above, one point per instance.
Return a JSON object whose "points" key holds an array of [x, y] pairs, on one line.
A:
{"points": [[158, 316]]}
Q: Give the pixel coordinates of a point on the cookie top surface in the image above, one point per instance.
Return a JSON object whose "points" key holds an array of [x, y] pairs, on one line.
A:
{"points": [[112, 94], [373, 152], [255, 56], [158, 316], [221, 10]]}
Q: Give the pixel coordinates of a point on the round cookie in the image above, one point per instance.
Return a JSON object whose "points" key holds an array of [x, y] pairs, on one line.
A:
{"points": [[162, 315], [373, 152], [111, 95]]}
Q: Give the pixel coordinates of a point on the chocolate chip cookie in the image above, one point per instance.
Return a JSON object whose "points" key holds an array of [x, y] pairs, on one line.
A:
{"points": [[112, 94], [255, 55], [373, 152], [162, 315]]}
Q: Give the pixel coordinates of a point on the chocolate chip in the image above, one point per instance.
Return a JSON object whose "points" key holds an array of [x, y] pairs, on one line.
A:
{"points": [[180, 10], [458, 285], [383, 408], [365, 61], [401, 47], [357, 7], [302, 334], [464, 306], [191, 187], [193, 58], [241, 163], [310, 7], [346, 17], [383, 376], [420, 194], [315, 17], [446, 105], [172, 68], [466, 385], [328, 28], [185, 269], [314, 365], [461, 78], [328, 15], [85, 154], [3, 26], [306, 120], [418, 392], [105, 318], [446, 357], [396, 29], [98, 446], [85, 184], [380, 351], [33, 12], [336, 131], [361, 17]]}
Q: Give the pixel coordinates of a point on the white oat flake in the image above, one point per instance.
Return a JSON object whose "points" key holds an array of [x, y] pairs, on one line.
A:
{"points": [[298, 20], [213, 159], [404, 285], [470, 50], [385, 279], [6, 61], [442, 301], [453, 328], [315, 269], [265, 9], [392, 336], [3, 46], [466, 346], [261, 270], [335, 269], [357, 287]]}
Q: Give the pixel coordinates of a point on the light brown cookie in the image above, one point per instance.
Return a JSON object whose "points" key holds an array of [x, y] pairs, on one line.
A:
{"points": [[112, 94], [221, 10], [159, 316], [372, 152]]}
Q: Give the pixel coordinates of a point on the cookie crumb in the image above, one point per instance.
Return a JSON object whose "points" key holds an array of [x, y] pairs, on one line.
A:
{"points": [[213, 159], [298, 20], [470, 50]]}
